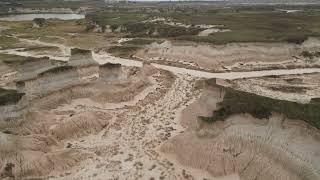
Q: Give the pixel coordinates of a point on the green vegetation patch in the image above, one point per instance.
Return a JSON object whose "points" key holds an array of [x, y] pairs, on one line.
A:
{"points": [[174, 31], [247, 24], [159, 30], [236, 102], [9, 96], [7, 42], [254, 25], [12, 60], [116, 18], [42, 48]]}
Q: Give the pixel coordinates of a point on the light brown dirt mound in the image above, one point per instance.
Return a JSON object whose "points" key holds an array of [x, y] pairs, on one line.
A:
{"points": [[80, 125], [11, 143], [38, 155], [23, 156], [35, 163], [278, 148], [64, 96], [116, 84], [100, 92], [121, 92]]}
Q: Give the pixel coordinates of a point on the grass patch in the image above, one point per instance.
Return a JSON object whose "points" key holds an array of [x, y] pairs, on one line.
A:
{"points": [[12, 60], [70, 32], [116, 18], [16, 27], [254, 25], [247, 24], [158, 30], [8, 42]]}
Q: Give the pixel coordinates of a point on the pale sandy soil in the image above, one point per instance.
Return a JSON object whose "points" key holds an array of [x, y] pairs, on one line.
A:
{"points": [[103, 141], [122, 40], [7, 79], [148, 137], [155, 134], [277, 148], [233, 56], [236, 75], [207, 32], [297, 88], [126, 149], [103, 57]]}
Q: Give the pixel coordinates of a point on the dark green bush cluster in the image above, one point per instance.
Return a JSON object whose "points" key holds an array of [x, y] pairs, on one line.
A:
{"points": [[139, 29], [163, 30], [308, 54], [175, 31]]}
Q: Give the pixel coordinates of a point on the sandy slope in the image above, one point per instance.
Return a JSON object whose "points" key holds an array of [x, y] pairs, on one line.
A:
{"points": [[127, 148], [277, 148], [232, 56]]}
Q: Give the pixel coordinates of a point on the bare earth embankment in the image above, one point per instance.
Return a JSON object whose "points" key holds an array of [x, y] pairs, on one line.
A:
{"points": [[244, 146], [233, 56]]}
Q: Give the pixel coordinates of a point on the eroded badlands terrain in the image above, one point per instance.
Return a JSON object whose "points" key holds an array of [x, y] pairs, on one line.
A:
{"points": [[232, 56], [72, 109], [84, 120]]}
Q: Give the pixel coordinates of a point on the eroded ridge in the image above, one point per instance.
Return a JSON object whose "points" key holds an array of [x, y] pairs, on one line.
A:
{"points": [[242, 145], [45, 138]]}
